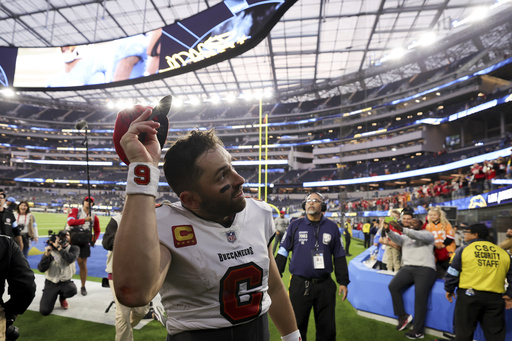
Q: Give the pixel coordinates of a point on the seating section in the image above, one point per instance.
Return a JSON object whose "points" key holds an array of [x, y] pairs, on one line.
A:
{"points": [[294, 126]]}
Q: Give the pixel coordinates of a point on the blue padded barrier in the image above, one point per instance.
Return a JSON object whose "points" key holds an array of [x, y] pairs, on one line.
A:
{"points": [[368, 291], [357, 234]]}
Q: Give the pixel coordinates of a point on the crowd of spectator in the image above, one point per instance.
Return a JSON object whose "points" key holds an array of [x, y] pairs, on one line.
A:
{"points": [[470, 181]]}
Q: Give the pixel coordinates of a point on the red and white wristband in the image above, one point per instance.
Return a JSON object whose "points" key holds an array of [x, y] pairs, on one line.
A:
{"points": [[295, 336], [142, 179]]}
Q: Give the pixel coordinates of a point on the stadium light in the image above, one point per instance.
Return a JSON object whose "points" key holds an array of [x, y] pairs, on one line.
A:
{"points": [[195, 101], [120, 105], [394, 54], [215, 99], [246, 95], [7, 92], [231, 98], [177, 102], [427, 39], [479, 14]]}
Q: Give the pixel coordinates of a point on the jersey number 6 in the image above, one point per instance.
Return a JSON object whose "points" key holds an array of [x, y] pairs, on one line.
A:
{"points": [[236, 307]]}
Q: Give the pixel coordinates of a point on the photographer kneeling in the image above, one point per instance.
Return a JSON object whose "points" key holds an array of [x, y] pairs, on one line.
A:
{"points": [[58, 263]]}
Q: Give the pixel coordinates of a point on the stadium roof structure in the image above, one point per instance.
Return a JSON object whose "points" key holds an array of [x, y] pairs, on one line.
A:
{"points": [[318, 49]]}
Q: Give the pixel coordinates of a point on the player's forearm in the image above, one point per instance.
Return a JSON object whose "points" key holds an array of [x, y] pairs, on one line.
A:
{"points": [[137, 252], [280, 311], [395, 238], [421, 235]]}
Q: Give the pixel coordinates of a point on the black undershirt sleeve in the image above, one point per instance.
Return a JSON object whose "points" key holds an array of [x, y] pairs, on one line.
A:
{"points": [[281, 263], [341, 270]]}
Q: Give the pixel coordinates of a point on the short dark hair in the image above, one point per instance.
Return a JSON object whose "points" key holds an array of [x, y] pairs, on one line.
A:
{"points": [[405, 212], [479, 229], [62, 234], [416, 222], [180, 167]]}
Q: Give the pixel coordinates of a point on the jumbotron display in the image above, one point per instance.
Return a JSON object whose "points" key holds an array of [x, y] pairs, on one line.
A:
{"points": [[221, 32]]}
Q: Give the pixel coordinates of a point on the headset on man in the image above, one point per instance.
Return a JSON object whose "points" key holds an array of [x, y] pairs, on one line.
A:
{"points": [[324, 205]]}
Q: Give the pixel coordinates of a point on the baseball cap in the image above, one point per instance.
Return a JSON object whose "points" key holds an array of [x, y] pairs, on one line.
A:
{"points": [[11, 199], [87, 199], [283, 212], [480, 229]]}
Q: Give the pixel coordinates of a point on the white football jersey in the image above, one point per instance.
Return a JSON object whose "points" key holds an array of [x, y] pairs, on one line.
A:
{"points": [[218, 276]]}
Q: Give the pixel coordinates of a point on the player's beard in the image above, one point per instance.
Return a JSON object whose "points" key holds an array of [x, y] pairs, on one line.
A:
{"points": [[224, 206]]}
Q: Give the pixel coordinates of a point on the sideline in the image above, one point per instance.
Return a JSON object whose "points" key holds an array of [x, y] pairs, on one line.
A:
{"points": [[89, 308]]}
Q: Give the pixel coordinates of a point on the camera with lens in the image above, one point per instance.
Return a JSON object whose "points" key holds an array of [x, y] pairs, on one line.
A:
{"points": [[52, 238], [19, 228]]}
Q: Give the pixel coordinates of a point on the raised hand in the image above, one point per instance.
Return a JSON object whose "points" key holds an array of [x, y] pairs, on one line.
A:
{"points": [[137, 151]]}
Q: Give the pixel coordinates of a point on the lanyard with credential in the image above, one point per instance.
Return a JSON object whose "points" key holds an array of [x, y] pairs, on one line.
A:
{"points": [[316, 230], [318, 256]]}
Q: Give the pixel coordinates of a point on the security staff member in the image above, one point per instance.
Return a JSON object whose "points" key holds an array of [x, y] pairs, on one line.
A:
{"points": [[315, 242], [347, 232], [479, 270], [21, 288], [366, 231]]}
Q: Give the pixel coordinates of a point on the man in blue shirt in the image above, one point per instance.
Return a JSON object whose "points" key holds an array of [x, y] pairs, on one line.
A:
{"points": [[381, 248], [316, 246]]}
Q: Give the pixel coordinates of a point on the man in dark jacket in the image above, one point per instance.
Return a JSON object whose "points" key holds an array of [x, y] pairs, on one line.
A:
{"points": [[20, 278], [317, 251]]}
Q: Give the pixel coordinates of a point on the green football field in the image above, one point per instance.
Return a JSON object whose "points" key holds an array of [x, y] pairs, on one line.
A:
{"points": [[33, 326], [57, 221]]}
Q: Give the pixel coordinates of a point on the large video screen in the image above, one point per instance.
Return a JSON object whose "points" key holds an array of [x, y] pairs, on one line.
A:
{"points": [[221, 32]]}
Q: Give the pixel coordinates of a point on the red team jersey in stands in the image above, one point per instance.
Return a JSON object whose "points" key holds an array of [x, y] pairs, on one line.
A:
{"points": [[218, 276]]}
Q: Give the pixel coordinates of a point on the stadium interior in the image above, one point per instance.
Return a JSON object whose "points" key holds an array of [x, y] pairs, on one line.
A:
{"points": [[322, 103]]}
